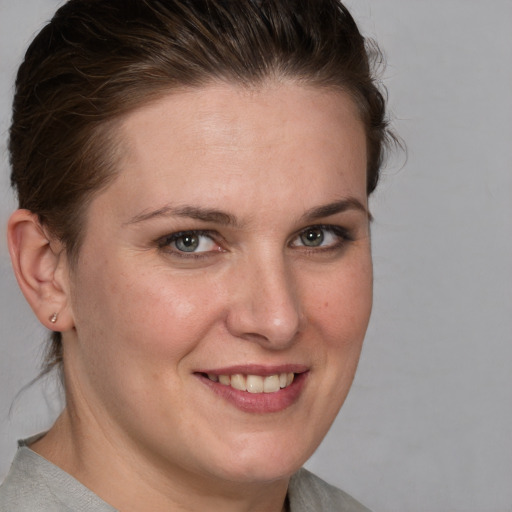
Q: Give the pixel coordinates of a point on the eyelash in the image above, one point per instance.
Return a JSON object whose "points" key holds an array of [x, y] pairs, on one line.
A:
{"points": [[165, 242], [342, 234]]}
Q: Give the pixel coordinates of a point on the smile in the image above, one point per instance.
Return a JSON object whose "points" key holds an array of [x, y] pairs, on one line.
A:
{"points": [[255, 388], [255, 383]]}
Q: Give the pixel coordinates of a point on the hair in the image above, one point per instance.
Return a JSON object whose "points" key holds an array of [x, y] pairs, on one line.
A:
{"points": [[97, 60]]}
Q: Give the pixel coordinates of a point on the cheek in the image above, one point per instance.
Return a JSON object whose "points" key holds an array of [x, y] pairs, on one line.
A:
{"points": [[139, 317], [339, 318], [342, 303]]}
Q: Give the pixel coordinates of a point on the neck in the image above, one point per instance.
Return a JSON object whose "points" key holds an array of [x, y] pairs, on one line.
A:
{"points": [[143, 484]]}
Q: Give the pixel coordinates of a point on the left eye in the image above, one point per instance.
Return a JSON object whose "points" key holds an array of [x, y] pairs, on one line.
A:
{"points": [[190, 242], [319, 236]]}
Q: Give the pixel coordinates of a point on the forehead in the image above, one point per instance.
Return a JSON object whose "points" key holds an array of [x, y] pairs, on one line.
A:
{"points": [[222, 111], [225, 140]]}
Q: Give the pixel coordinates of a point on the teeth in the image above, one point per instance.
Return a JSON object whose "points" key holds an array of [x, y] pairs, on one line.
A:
{"points": [[224, 379], [255, 383], [271, 384], [238, 382]]}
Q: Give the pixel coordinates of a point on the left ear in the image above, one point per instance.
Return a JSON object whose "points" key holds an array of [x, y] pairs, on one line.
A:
{"points": [[41, 268]]}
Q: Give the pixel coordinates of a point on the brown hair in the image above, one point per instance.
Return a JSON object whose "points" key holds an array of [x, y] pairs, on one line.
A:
{"points": [[98, 59]]}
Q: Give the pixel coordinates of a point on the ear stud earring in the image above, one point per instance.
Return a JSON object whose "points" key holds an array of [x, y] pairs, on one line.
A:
{"points": [[54, 317]]}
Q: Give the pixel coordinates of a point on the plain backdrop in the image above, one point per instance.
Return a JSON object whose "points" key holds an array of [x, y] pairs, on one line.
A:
{"points": [[428, 424]]}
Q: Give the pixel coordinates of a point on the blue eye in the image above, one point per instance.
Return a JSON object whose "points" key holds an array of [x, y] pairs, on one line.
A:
{"points": [[189, 242], [322, 237], [312, 237]]}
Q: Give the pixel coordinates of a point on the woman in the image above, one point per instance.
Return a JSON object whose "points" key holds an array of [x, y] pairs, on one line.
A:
{"points": [[194, 228]]}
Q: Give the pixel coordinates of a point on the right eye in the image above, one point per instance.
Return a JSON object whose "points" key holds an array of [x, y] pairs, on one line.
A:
{"points": [[191, 242]]}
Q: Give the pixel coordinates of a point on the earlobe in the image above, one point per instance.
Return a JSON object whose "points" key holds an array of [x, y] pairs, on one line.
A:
{"points": [[40, 266]]}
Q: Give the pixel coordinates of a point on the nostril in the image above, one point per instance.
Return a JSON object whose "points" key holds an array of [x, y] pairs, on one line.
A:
{"points": [[267, 310]]}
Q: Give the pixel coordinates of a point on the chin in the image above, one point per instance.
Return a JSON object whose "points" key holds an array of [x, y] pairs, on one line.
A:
{"points": [[264, 464], [269, 471]]}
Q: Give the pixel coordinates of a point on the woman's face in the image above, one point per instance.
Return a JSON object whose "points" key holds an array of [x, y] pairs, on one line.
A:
{"points": [[232, 252]]}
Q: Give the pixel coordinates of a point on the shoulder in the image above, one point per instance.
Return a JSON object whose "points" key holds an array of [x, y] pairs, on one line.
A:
{"points": [[24, 488], [33, 483], [308, 493]]}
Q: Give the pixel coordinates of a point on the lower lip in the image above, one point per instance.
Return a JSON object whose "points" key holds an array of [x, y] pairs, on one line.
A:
{"points": [[259, 402]]}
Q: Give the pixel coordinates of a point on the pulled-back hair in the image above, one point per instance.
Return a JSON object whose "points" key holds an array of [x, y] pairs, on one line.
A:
{"points": [[97, 60]]}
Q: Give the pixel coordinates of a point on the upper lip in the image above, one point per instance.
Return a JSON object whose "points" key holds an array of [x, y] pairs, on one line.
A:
{"points": [[256, 369]]}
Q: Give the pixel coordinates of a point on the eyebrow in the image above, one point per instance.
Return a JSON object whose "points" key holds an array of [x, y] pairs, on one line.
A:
{"points": [[327, 210], [226, 219], [192, 212]]}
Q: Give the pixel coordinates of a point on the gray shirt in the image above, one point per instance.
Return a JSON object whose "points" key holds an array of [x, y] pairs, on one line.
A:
{"points": [[36, 485]]}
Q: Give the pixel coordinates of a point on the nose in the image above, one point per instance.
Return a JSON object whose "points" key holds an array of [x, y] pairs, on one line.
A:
{"points": [[265, 306]]}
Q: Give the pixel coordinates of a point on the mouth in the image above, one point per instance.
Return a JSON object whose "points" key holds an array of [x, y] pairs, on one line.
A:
{"points": [[255, 383], [257, 389]]}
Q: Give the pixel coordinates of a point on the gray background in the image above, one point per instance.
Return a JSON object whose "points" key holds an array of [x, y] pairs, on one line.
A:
{"points": [[428, 424]]}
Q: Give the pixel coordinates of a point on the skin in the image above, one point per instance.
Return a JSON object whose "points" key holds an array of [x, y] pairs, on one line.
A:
{"points": [[140, 319]]}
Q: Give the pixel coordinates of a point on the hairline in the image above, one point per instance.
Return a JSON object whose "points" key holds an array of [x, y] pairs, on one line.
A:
{"points": [[115, 148]]}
